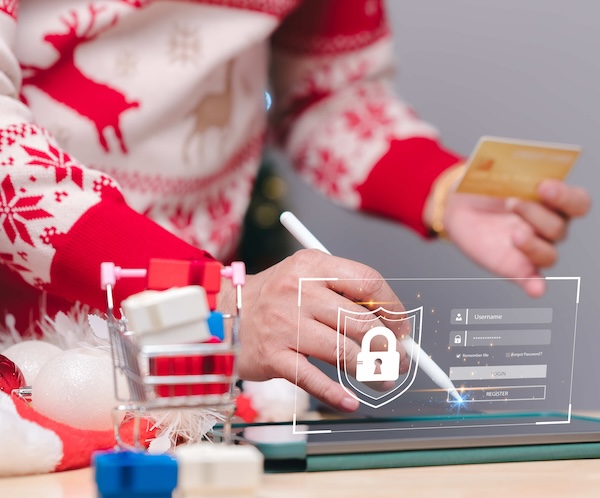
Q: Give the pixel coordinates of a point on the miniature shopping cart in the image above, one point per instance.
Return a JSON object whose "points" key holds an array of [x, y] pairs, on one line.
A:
{"points": [[169, 362]]}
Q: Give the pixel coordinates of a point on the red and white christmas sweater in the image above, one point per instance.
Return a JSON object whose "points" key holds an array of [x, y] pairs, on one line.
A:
{"points": [[132, 129]]}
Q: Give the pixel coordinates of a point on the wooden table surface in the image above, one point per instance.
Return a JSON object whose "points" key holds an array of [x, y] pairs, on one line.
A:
{"points": [[568, 478]]}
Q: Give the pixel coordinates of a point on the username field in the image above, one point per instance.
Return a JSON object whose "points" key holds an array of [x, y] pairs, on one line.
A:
{"points": [[471, 316]]}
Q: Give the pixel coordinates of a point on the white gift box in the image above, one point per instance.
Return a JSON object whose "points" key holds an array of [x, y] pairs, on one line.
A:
{"points": [[174, 316], [209, 469]]}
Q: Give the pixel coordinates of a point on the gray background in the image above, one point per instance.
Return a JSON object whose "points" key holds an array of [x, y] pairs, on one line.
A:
{"points": [[516, 68]]}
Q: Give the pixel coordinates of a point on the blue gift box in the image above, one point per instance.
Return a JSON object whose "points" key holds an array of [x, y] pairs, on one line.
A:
{"points": [[128, 474]]}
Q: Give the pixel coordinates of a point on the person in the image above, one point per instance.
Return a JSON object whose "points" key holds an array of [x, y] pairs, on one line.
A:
{"points": [[133, 129]]}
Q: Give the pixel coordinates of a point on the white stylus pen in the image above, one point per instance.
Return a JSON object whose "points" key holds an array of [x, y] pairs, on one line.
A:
{"points": [[430, 367]]}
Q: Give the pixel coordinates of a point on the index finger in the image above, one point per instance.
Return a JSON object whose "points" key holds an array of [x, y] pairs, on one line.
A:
{"points": [[569, 200], [361, 284], [360, 287]]}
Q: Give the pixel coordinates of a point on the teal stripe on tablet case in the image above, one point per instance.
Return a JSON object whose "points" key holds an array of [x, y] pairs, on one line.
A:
{"points": [[459, 456]]}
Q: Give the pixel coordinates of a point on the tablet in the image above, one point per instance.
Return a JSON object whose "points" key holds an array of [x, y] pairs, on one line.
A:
{"points": [[510, 358]]}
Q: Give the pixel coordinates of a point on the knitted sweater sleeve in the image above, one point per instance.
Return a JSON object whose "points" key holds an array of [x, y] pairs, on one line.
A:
{"points": [[58, 219], [337, 115]]}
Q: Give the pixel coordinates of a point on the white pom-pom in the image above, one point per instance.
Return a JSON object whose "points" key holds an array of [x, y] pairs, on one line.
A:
{"points": [[76, 388], [276, 400], [27, 448], [31, 356]]}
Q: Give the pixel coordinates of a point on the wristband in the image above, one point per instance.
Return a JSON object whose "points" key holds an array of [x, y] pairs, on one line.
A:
{"points": [[444, 184]]}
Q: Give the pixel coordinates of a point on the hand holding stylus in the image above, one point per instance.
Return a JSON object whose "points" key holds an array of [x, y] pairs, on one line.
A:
{"points": [[308, 240], [271, 314]]}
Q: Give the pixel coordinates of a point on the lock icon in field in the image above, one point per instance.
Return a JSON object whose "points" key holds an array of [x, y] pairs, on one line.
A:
{"points": [[458, 339], [378, 365]]}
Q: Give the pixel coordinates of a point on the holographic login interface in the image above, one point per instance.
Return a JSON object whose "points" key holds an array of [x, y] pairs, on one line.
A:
{"points": [[502, 353], [510, 357]]}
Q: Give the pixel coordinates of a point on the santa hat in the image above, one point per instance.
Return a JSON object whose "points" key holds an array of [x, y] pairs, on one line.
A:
{"points": [[33, 443]]}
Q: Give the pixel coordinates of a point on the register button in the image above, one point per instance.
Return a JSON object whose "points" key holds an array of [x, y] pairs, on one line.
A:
{"points": [[508, 393]]}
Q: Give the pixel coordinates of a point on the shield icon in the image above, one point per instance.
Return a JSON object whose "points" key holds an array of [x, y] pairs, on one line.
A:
{"points": [[373, 366]]}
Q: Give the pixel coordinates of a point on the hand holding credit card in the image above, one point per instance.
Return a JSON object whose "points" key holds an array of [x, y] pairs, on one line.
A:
{"points": [[502, 167]]}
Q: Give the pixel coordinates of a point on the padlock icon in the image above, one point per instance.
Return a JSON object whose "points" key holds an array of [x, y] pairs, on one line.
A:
{"points": [[378, 365], [458, 339]]}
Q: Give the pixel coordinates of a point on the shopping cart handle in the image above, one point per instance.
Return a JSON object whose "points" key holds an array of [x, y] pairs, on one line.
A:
{"points": [[109, 274], [236, 272]]}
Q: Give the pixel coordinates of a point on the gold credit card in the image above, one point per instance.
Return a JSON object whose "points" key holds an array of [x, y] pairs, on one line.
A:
{"points": [[504, 167]]}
